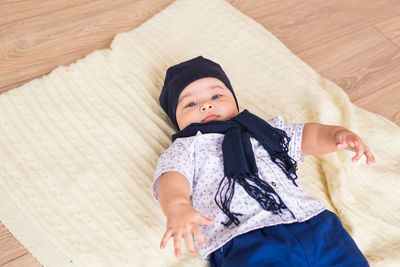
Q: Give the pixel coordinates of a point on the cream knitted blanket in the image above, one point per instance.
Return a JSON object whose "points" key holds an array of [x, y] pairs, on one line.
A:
{"points": [[78, 147]]}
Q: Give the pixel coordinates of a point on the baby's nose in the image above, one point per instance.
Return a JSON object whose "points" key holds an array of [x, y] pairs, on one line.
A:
{"points": [[206, 106]]}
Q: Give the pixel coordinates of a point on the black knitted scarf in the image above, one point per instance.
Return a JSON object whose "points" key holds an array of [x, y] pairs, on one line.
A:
{"points": [[239, 161]]}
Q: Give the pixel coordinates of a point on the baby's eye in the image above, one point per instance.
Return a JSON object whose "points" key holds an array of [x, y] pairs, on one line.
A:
{"points": [[191, 104], [215, 97]]}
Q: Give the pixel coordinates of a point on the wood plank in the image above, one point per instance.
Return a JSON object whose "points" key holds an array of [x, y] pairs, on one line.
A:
{"points": [[301, 25], [383, 102], [17, 84], [391, 29], [14, 10], [10, 248], [361, 62], [23, 261], [32, 48]]}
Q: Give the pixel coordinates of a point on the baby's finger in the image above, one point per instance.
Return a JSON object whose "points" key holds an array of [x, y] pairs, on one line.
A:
{"points": [[359, 153], [205, 221], [165, 239], [198, 233], [369, 155], [189, 242], [177, 245], [352, 141]]}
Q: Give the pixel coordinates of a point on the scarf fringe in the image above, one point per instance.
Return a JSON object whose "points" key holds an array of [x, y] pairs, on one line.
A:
{"points": [[286, 163], [258, 189]]}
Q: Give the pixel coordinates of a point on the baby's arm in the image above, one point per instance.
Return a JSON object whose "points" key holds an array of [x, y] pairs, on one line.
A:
{"points": [[182, 220], [321, 139]]}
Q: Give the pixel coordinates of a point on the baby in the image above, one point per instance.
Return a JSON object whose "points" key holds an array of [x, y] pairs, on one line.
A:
{"points": [[248, 209]]}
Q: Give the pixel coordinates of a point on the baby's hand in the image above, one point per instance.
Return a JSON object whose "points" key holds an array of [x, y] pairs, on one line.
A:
{"points": [[346, 139], [184, 222]]}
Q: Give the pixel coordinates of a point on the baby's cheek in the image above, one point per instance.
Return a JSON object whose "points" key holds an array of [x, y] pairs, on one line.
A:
{"points": [[189, 118], [233, 112]]}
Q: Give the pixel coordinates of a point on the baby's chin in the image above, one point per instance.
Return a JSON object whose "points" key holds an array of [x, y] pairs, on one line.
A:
{"points": [[218, 118]]}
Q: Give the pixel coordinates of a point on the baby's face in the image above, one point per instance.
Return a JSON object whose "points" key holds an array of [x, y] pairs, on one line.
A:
{"points": [[205, 100]]}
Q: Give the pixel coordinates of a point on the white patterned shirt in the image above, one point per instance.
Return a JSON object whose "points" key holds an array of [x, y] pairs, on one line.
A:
{"points": [[199, 158]]}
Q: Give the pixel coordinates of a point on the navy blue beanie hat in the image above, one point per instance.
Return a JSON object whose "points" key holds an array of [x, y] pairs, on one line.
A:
{"points": [[181, 75]]}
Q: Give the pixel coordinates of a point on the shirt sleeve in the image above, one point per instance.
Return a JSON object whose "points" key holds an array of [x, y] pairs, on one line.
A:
{"points": [[295, 133], [177, 158]]}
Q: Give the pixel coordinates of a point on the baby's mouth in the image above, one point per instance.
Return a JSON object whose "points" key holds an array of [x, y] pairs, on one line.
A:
{"points": [[211, 117]]}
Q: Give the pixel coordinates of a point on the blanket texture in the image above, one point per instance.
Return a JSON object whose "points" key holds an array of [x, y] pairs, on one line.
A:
{"points": [[78, 147]]}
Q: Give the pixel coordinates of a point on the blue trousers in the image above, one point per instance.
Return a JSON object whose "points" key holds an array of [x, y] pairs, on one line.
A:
{"points": [[319, 241]]}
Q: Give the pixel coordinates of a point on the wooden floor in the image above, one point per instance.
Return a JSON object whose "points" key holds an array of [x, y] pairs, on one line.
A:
{"points": [[354, 43]]}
